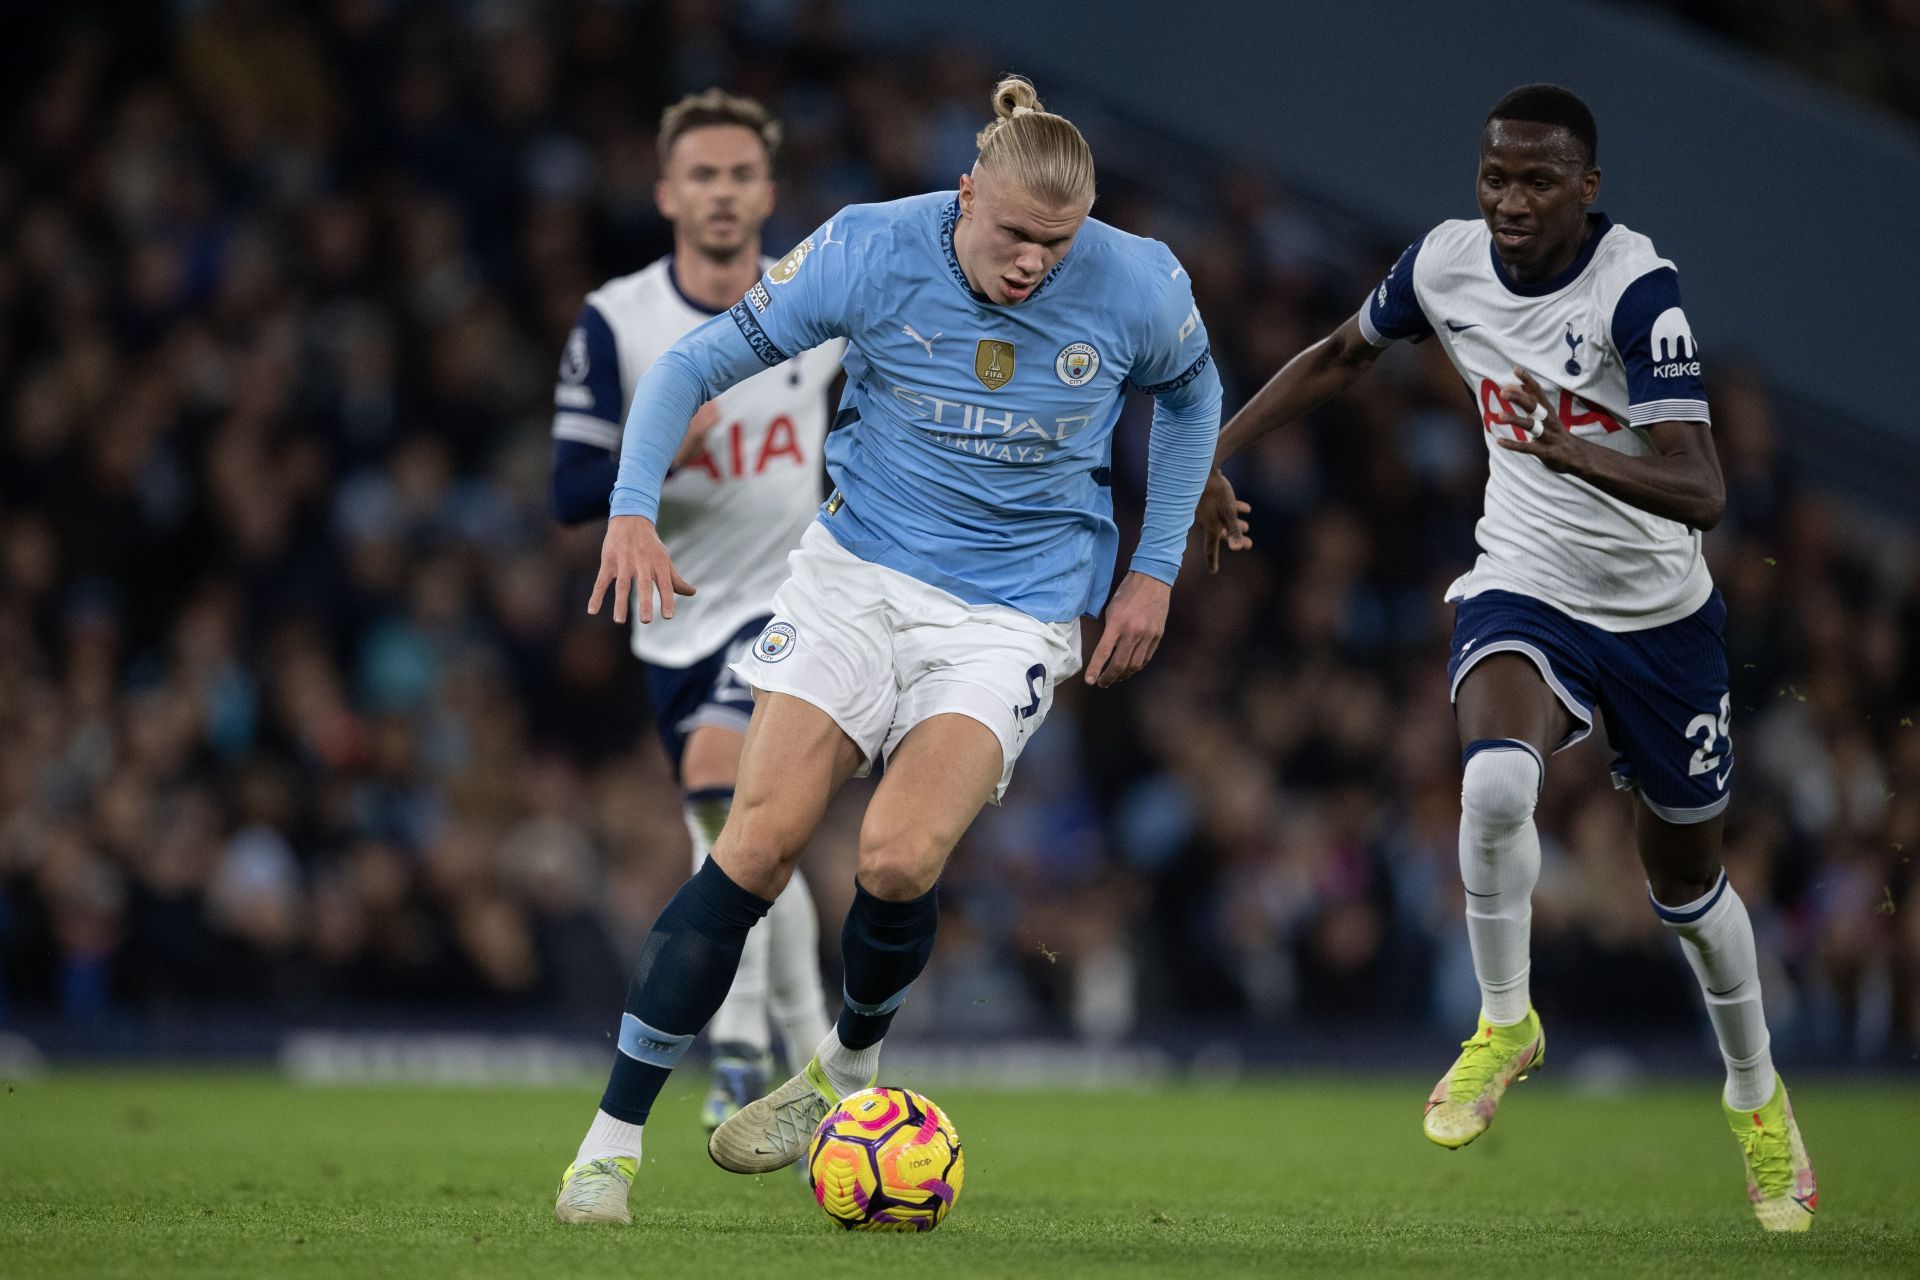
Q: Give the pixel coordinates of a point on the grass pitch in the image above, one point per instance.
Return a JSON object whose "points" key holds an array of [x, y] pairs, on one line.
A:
{"points": [[243, 1175]]}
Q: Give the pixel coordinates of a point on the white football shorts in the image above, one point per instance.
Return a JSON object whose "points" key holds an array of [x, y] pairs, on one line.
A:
{"points": [[880, 652]]}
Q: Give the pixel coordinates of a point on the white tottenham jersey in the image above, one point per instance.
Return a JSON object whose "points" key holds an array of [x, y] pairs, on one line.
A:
{"points": [[1608, 339], [729, 517]]}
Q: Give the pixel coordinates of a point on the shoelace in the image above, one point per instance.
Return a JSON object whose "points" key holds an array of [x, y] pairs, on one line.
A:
{"points": [[795, 1122], [1770, 1158], [1472, 1071]]}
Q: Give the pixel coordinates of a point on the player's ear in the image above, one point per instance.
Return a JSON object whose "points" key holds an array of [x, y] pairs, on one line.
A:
{"points": [[663, 198], [1590, 185], [966, 194]]}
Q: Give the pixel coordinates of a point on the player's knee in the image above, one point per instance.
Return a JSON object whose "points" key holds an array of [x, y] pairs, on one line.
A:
{"points": [[759, 847], [1499, 788], [899, 866]]}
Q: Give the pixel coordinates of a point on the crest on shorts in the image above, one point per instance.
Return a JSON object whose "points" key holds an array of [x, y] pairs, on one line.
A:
{"points": [[993, 363], [775, 643], [785, 269], [1076, 364]]}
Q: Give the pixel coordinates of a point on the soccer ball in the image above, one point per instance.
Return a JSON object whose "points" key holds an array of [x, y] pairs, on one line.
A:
{"points": [[886, 1160]]}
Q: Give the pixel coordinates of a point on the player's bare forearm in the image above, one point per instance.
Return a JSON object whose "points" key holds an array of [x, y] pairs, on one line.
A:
{"points": [[1681, 480], [1311, 378]]}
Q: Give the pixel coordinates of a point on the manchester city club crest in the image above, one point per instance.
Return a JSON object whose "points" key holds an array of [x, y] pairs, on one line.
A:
{"points": [[1077, 363], [776, 642], [993, 363]]}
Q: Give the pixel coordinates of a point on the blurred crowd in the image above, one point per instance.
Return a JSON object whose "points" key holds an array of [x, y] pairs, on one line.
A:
{"points": [[1870, 48], [301, 712]]}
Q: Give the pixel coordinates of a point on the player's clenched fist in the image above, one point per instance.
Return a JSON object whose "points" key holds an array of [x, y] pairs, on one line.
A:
{"points": [[631, 556]]}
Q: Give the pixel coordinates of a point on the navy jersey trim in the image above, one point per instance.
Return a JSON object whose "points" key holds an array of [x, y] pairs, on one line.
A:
{"points": [[1194, 370], [766, 348], [673, 278], [589, 384], [1682, 915], [950, 218], [1392, 312], [1598, 223], [1655, 340]]}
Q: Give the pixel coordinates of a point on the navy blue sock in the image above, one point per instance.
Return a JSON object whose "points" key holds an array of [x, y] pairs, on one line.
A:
{"points": [[683, 974], [883, 946]]}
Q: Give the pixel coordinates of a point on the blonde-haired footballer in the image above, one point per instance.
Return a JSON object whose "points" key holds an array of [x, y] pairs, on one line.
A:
{"points": [[935, 603]]}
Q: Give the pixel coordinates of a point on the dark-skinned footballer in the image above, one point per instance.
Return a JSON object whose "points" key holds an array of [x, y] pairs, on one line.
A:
{"points": [[1589, 593]]}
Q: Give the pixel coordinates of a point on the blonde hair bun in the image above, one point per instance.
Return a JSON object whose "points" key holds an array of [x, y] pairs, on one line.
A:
{"points": [[1040, 151], [1015, 96]]}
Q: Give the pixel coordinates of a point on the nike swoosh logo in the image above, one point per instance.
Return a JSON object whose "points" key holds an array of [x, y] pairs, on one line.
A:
{"points": [[1460, 328], [1720, 783], [1729, 991], [1472, 894]]}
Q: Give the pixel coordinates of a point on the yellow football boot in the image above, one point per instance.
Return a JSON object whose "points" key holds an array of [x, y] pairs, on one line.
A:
{"points": [[596, 1191], [1779, 1174], [1461, 1106]]}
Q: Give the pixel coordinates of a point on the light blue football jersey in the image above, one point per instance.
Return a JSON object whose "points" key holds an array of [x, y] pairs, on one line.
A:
{"points": [[972, 446]]}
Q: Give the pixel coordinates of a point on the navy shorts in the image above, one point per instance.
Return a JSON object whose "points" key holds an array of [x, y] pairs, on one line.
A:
{"points": [[685, 698], [1664, 691]]}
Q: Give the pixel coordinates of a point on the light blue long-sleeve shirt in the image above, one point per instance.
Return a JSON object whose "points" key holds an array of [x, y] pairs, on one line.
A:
{"points": [[972, 446]]}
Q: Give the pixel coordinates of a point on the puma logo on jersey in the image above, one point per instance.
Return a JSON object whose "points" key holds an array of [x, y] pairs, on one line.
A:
{"points": [[913, 333]]}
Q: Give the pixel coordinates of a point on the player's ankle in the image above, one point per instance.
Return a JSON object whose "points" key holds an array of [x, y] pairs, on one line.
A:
{"points": [[608, 1136], [848, 1070]]}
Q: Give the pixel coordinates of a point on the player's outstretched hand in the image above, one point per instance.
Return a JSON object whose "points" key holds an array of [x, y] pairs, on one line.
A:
{"points": [[1219, 519], [1553, 444], [632, 557], [1136, 619]]}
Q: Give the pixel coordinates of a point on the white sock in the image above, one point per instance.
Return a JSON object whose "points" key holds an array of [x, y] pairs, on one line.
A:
{"points": [[1717, 937], [742, 1016], [848, 1070], [795, 993], [1499, 863], [609, 1137]]}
